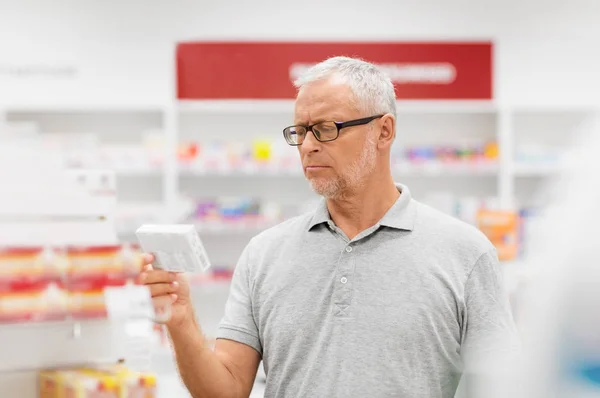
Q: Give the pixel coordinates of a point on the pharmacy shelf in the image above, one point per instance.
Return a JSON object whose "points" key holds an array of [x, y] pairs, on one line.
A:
{"points": [[46, 345], [61, 208], [128, 139]]}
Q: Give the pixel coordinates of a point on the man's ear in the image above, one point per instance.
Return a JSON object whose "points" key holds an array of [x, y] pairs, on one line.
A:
{"points": [[388, 131]]}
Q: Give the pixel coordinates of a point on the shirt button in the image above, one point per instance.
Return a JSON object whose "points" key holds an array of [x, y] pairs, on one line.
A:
{"points": [[344, 279], [349, 249]]}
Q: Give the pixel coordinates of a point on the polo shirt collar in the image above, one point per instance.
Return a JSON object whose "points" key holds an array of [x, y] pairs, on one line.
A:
{"points": [[401, 215]]}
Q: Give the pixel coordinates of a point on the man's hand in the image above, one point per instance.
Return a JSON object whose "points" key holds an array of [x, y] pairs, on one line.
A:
{"points": [[168, 289], [227, 371]]}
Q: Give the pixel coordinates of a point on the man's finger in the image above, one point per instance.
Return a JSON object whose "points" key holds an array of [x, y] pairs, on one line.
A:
{"points": [[156, 276], [163, 289], [148, 258]]}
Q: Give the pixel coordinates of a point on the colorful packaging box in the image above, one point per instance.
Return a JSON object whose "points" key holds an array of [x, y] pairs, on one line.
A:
{"points": [[31, 284], [502, 229], [103, 382], [91, 269]]}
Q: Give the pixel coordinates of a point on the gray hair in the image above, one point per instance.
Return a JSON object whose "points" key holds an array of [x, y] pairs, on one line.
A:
{"points": [[373, 89]]}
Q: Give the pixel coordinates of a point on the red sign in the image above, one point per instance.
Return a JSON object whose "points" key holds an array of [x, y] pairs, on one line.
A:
{"points": [[265, 70]]}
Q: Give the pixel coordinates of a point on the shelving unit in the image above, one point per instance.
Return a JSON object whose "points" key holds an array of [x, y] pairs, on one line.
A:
{"points": [[132, 141], [42, 204], [128, 140]]}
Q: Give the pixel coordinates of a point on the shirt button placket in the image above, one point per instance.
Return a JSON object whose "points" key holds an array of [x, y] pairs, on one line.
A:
{"points": [[343, 284]]}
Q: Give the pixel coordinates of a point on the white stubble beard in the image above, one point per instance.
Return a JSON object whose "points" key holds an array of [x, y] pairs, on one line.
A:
{"points": [[352, 180]]}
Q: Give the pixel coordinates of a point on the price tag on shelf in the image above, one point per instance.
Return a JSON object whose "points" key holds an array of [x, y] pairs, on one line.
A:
{"points": [[128, 302]]}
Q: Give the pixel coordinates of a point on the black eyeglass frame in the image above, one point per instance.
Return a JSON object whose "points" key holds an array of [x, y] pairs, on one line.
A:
{"points": [[338, 125]]}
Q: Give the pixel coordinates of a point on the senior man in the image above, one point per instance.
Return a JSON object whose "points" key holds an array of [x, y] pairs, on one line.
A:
{"points": [[372, 294]]}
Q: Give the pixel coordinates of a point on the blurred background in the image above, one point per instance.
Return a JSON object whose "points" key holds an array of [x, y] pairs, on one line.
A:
{"points": [[115, 114]]}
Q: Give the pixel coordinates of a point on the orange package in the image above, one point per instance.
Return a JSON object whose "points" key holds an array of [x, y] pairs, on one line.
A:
{"points": [[501, 228]]}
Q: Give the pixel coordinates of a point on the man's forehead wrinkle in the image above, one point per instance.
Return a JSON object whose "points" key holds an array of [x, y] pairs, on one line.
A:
{"points": [[328, 113]]}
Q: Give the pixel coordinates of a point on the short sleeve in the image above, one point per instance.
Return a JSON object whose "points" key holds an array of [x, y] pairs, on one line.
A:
{"points": [[489, 330], [238, 323]]}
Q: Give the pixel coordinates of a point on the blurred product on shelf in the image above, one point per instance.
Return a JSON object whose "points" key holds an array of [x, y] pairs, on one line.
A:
{"points": [[274, 157], [483, 153], [259, 155], [506, 229], [261, 151], [187, 152], [465, 208], [208, 214], [502, 229], [116, 381], [235, 209], [527, 219], [228, 212], [43, 283]]}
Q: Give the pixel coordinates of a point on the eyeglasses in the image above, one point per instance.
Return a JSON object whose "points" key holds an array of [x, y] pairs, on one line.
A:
{"points": [[323, 131]]}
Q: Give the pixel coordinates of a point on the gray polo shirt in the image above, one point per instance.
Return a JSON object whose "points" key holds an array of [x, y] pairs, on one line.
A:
{"points": [[386, 314]]}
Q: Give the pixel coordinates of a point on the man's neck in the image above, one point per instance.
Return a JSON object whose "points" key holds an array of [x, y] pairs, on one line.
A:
{"points": [[358, 211]]}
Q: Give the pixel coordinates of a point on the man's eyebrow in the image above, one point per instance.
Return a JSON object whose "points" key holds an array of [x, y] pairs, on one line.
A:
{"points": [[316, 121]]}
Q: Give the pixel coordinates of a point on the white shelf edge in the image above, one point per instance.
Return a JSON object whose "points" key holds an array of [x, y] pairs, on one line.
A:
{"points": [[441, 169], [449, 106], [551, 108], [402, 169], [287, 106], [190, 172], [235, 106], [96, 108], [233, 227], [218, 228]]}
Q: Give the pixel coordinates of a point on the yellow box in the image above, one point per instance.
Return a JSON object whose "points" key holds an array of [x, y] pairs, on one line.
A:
{"points": [[52, 382], [89, 385], [130, 384]]}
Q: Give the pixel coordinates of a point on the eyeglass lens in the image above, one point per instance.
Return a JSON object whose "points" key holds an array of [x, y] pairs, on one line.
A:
{"points": [[326, 131]]}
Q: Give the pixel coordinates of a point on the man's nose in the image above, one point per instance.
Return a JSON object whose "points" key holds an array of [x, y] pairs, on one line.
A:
{"points": [[310, 143]]}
